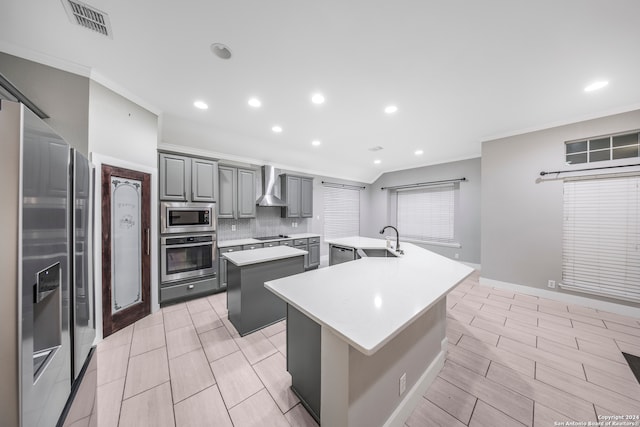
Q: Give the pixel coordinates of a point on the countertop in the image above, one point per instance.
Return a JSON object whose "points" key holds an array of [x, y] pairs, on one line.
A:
{"points": [[250, 241], [369, 301], [256, 256]]}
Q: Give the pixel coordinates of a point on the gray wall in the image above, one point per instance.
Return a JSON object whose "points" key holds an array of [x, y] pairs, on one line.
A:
{"points": [[378, 206], [63, 96], [522, 214]]}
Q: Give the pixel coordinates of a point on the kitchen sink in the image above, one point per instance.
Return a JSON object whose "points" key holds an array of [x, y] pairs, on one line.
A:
{"points": [[377, 253]]}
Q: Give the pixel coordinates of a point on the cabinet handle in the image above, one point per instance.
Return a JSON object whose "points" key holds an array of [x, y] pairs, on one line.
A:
{"points": [[190, 287], [230, 250], [192, 198], [184, 195], [148, 231]]}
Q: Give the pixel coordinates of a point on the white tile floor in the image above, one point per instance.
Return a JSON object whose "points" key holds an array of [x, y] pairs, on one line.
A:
{"points": [[513, 360]]}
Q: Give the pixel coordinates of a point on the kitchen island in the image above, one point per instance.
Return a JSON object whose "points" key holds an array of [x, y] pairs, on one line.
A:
{"points": [[366, 338], [250, 305]]}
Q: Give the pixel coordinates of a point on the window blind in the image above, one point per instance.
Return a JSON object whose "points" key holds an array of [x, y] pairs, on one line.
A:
{"points": [[341, 212], [427, 213], [601, 237]]}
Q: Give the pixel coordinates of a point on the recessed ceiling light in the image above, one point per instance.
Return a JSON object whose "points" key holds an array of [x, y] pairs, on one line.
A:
{"points": [[200, 105], [221, 51], [255, 102], [418, 152], [390, 109], [317, 98], [316, 142], [377, 161], [596, 85], [277, 129]]}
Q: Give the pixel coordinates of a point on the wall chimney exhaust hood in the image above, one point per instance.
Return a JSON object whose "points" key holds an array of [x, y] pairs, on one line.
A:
{"points": [[268, 197]]}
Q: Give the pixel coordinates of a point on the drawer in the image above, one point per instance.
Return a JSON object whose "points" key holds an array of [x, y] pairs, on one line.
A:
{"points": [[252, 246], [188, 290], [299, 242], [314, 240], [271, 244], [230, 249], [286, 242]]}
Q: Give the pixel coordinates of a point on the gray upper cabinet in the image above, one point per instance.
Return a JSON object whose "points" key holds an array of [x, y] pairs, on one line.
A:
{"points": [[173, 177], [185, 178], [237, 193], [227, 192], [203, 182], [306, 197], [246, 193], [298, 193]]}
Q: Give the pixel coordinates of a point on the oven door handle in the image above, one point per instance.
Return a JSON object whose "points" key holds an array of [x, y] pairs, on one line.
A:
{"points": [[188, 245]]}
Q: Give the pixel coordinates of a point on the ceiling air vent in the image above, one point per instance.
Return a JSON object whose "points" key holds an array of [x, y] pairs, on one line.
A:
{"points": [[88, 17]]}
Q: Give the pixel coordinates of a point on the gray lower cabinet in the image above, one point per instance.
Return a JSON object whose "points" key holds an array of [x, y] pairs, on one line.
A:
{"points": [[297, 192], [187, 290], [303, 359], [237, 192], [314, 255], [185, 178]]}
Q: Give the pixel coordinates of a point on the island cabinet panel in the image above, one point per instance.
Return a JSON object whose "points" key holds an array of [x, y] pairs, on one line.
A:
{"points": [[251, 306], [303, 359]]}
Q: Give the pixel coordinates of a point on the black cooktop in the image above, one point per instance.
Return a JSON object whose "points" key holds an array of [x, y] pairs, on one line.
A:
{"points": [[280, 236]]}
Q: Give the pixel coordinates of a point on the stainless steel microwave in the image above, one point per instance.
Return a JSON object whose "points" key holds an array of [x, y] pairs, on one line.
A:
{"points": [[183, 217]]}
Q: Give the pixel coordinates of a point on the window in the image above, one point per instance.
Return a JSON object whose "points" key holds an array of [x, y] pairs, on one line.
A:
{"points": [[341, 212], [601, 237], [600, 149], [427, 214]]}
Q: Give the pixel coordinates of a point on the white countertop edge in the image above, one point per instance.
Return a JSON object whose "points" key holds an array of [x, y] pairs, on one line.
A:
{"points": [[260, 255], [381, 343]]}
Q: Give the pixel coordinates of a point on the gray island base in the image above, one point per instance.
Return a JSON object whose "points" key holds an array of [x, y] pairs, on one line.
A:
{"points": [[252, 307], [366, 338]]}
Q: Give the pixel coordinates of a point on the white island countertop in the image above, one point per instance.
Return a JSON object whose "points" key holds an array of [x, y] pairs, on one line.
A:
{"points": [[369, 301], [259, 255]]}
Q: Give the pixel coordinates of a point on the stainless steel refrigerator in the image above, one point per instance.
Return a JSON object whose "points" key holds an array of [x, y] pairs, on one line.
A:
{"points": [[55, 321]]}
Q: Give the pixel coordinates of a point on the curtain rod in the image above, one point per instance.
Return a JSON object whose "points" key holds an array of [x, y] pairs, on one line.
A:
{"points": [[424, 184], [335, 184], [543, 173]]}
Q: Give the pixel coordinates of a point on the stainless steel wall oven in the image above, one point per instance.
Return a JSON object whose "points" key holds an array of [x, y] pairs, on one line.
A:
{"points": [[188, 256]]}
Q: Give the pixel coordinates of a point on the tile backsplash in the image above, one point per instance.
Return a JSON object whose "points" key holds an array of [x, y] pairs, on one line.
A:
{"points": [[267, 223]]}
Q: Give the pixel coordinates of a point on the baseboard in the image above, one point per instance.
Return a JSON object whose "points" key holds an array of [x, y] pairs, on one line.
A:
{"points": [[472, 265], [411, 400], [612, 307]]}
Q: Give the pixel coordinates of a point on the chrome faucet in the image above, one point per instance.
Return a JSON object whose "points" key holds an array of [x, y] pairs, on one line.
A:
{"points": [[397, 236]]}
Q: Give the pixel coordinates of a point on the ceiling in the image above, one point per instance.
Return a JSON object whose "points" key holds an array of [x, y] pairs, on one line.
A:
{"points": [[460, 72]]}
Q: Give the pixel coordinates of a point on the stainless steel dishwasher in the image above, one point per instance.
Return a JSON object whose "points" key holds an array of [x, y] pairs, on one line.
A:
{"points": [[340, 254]]}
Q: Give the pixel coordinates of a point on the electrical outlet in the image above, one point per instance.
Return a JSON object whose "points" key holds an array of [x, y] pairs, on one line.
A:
{"points": [[457, 256], [233, 227], [403, 383], [551, 284]]}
